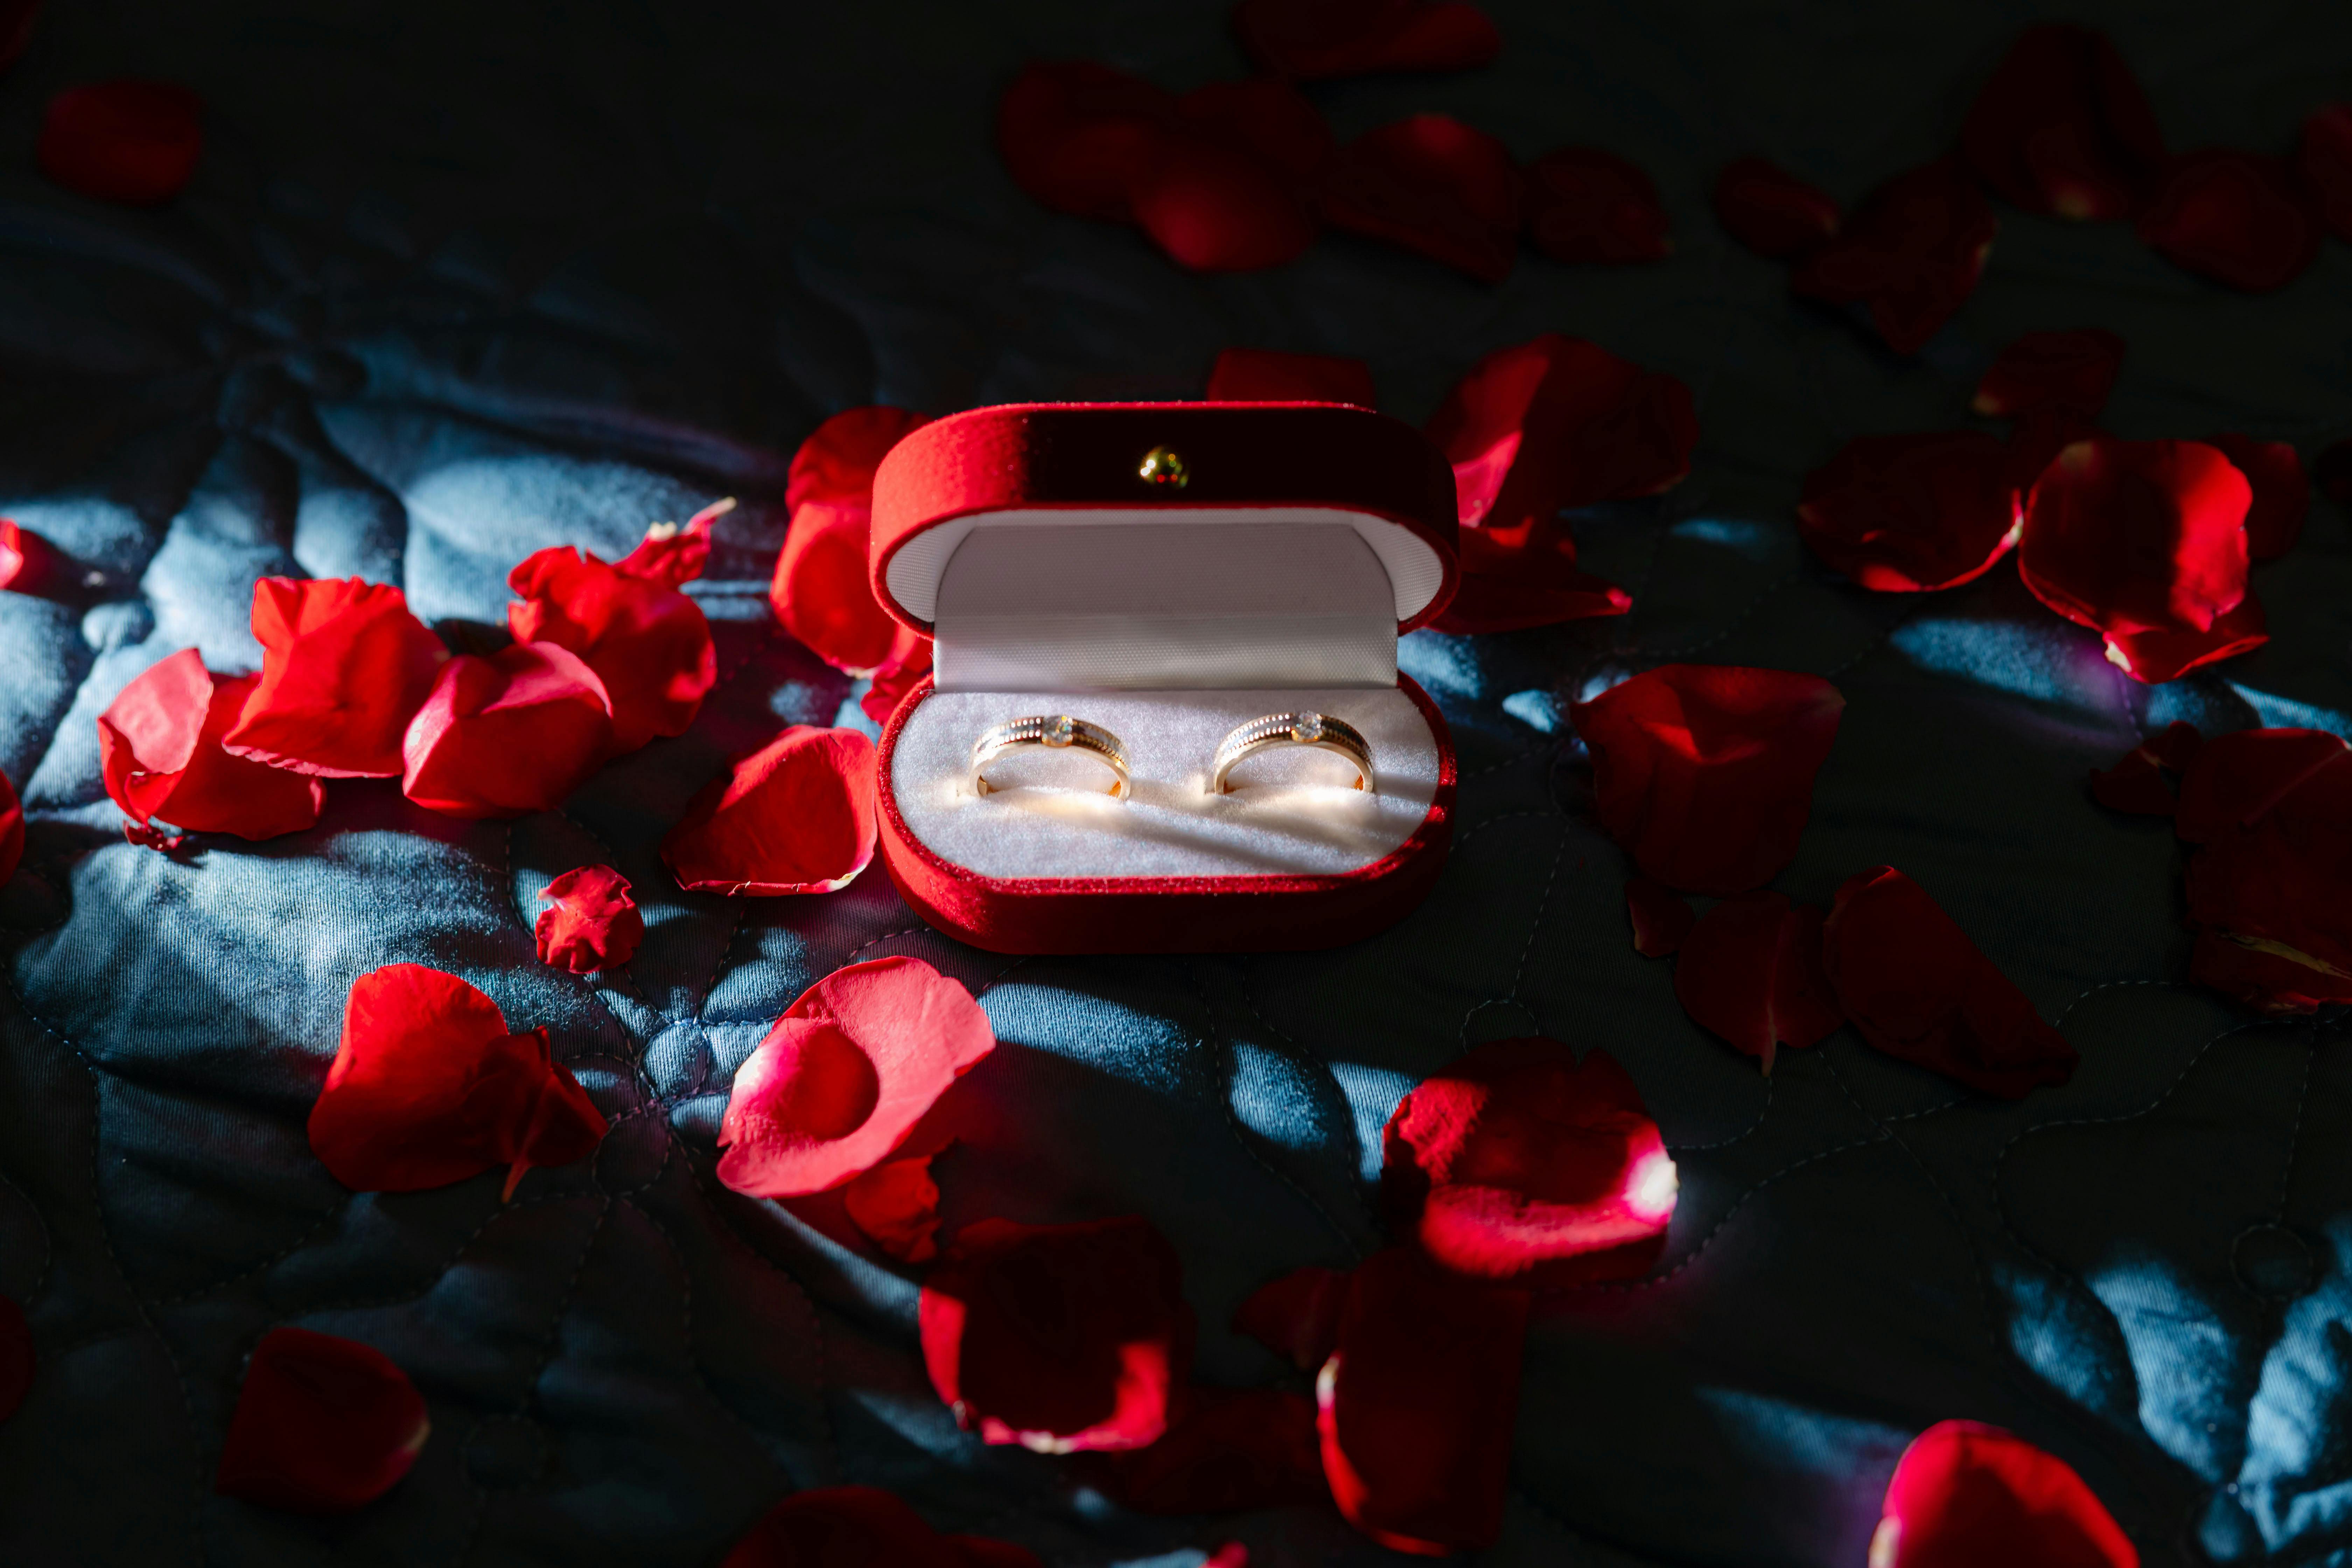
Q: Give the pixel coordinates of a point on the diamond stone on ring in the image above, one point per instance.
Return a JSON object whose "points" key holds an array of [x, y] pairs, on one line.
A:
{"points": [[1319, 731], [1056, 732]]}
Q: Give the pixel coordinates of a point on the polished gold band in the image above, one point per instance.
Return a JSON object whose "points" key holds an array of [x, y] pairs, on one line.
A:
{"points": [[1056, 732], [1319, 731]]}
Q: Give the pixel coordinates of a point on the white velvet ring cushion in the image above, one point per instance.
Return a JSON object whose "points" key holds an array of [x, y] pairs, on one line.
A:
{"points": [[1292, 811]]}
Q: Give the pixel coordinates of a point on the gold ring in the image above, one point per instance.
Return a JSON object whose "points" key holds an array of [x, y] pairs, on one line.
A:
{"points": [[1059, 732], [1319, 731]]}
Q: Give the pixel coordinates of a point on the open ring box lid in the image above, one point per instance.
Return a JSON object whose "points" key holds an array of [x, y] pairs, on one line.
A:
{"points": [[1167, 571]]}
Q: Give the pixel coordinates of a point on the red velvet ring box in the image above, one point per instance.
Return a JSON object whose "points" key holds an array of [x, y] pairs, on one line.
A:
{"points": [[1169, 572]]}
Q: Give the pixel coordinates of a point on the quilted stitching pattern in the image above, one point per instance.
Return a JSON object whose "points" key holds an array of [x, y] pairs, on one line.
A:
{"points": [[458, 282]]}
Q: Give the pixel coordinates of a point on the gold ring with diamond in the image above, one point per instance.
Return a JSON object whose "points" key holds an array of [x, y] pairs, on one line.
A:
{"points": [[1319, 731], [1056, 732]]}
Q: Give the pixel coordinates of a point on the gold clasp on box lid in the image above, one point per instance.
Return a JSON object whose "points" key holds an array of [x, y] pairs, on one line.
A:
{"points": [[1162, 467]]}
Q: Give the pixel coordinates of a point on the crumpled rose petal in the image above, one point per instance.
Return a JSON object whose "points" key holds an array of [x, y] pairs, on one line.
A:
{"points": [[2072, 370], [2271, 812], [1076, 135], [1912, 514], [1910, 256], [2324, 159], [844, 1076], [1212, 208], [798, 815], [595, 923], [1296, 1316], [159, 746], [821, 592], [1265, 376], [1662, 918], [17, 1348], [1918, 988], [908, 666], [344, 667], [862, 1527], [1967, 1494], [2135, 784], [2141, 536], [674, 555], [132, 141], [896, 1206], [2062, 128], [2281, 495], [28, 564], [1231, 1449], [1586, 205], [323, 1425], [508, 735], [12, 829], [1061, 1338], [1532, 431], [1433, 186], [2237, 219], [1518, 1162], [1705, 773], [1313, 40], [1772, 212], [1750, 973], [1416, 1405], [648, 643], [428, 1087]]}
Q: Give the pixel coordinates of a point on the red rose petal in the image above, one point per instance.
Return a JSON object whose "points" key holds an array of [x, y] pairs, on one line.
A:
{"points": [[508, 735], [2135, 784], [1705, 773], [674, 555], [131, 142], [798, 815], [1317, 39], [1415, 1406], [897, 1207], [1213, 209], [2237, 219], [648, 643], [1061, 1338], [2062, 127], [844, 1074], [344, 667], [1076, 135], [1750, 972], [1586, 205], [2128, 536], [2073, 370], [1912, 514], [821, 591], [908, 666], [28, 562], [322, 1426], [1772, 212], [595, 923], [2281, 495], [159, 744], [429, 1088], [2324, 159], [1918, 988], [149, 838], [2153, 657], [16, 1347], [862, 1527], [1231, 1449], [1265, 376], [1662, 919], [1433, 186], [1232, 1554], [1298, 1316], [2271, 812], [12, 829], [1513, 582], [1911, 255], [1515, 1161], [1967, 1494]]}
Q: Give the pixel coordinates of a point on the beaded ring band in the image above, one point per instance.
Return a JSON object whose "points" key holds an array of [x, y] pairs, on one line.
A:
{"points": [[1056, 733], [1319, 731]]}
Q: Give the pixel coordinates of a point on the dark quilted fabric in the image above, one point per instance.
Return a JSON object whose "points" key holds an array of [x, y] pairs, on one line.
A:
{"points": [[457, 281]]}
